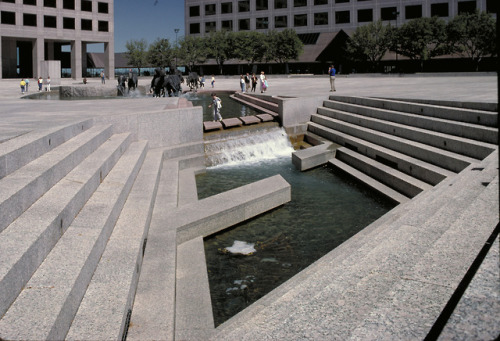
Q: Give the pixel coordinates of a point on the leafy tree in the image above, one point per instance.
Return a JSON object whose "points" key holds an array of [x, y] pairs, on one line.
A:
{"points": [[192, 51], [370, 43], [284, 46], [160, 53], [249, 46], [472, 35], [421, 39], [220, 46], [136, 53]]}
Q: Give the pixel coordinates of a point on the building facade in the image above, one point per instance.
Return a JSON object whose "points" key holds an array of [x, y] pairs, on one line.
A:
{"points": [[317, 22], [36, 31]]}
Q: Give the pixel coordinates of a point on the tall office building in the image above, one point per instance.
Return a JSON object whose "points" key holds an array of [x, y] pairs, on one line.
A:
{"points": [[317, 22], [34, 31]]}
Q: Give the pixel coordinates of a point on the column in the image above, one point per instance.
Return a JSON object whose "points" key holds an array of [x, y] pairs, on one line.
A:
{"points": [[109, 59], [1, 76], [76, 59], [84, 59], [38, 56]]}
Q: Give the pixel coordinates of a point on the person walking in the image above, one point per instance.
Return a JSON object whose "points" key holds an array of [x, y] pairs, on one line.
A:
{"points": [[254, 82], [331, 72], [47, 84], [217, 106], [23, 85], [263, 82], [40, 83], [103, 78], [242, 83], [247, 82], [213, 81], [27, 81]]}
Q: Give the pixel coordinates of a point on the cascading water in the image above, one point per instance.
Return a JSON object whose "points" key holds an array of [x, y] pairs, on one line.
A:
{"points": [[250, 147]]}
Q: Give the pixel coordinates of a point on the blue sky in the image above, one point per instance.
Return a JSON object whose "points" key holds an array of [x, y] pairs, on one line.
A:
{"points": [[148, 19]]}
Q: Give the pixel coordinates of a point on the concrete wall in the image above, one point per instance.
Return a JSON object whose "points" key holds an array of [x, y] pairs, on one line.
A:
{"points": [[52, 69], [297, 111]]}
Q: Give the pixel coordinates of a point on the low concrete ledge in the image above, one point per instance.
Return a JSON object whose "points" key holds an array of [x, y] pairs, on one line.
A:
{"points": [[205, 218], [305, 159]]}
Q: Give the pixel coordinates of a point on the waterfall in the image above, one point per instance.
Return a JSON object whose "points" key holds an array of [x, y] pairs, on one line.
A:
{"points": [[253, 146]]}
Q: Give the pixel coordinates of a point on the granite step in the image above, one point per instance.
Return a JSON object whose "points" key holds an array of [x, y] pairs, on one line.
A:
{"points": [[478, 116], [345, 291], [255, 101], [23, 187], [26, 242], [442, 158], [255, 106], [409, 165], [102, 316], [46, 307], [452, 143], [19, 151], [389, 176]]}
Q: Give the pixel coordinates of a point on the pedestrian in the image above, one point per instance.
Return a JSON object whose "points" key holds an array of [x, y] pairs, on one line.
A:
{"points": [[331, 72], [23, 85], [263, 82], [213, 81], [103, 78], [202, 82], [217, 106], [27, 81], [254, 82], [242, 83], [247, 82], [40, 83], [47, 84]]}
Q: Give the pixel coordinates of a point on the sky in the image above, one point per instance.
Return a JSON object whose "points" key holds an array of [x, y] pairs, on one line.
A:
{"points": [[148, 19]]}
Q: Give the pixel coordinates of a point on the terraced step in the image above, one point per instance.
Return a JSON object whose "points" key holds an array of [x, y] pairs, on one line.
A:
{"points": [[459, 145], [258, 103], [46, 307], [19, 151], [391, 177], [436, 156], [22, 188], [27, 241]]}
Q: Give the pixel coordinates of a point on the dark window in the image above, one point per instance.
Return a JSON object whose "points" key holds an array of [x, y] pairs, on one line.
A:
{"points": [[388, 13], [244, 24], [342, 17], [491, 6], [261, 5], [29, 2], [299, 3], [102, 7], [86, 5], [194, 28], [439, 10], [11, 1], [69, 23], [226, 7], [29, 19], [413, 12], [280, 4], [363, 0], [210, 26], [341, 1], [49, 3], [69, 4], [320, 2], [49, 21], [194, 11], [227, 25], [102, 26], [262, 23], [320, 19], [281, 21], [365, 15], [308, 38], [466, 7], [244, 6], [300, 20], [8, 18], [210, 9], [86, 25]]}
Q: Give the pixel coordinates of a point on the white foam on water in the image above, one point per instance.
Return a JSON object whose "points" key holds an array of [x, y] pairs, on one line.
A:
{"points": [[242, 248]]}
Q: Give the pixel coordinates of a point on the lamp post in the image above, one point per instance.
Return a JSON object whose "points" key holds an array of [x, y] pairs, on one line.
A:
{"points": [[176, 30]]}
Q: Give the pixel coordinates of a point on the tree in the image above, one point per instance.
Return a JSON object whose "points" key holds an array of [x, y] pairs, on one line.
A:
{"points": [[420, 39], [370, 43], [472, 35], [249, 46], [220, 46], [284, 46], [192, 51], [160, 53], [136, 53]]}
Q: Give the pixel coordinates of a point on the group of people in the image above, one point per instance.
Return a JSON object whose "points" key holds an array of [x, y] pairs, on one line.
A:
{"points": [[249, 83], [25, 84]]}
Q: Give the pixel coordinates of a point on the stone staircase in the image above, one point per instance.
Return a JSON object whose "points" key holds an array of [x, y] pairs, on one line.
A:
{"points": [[403, 146], [76, 202]]}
